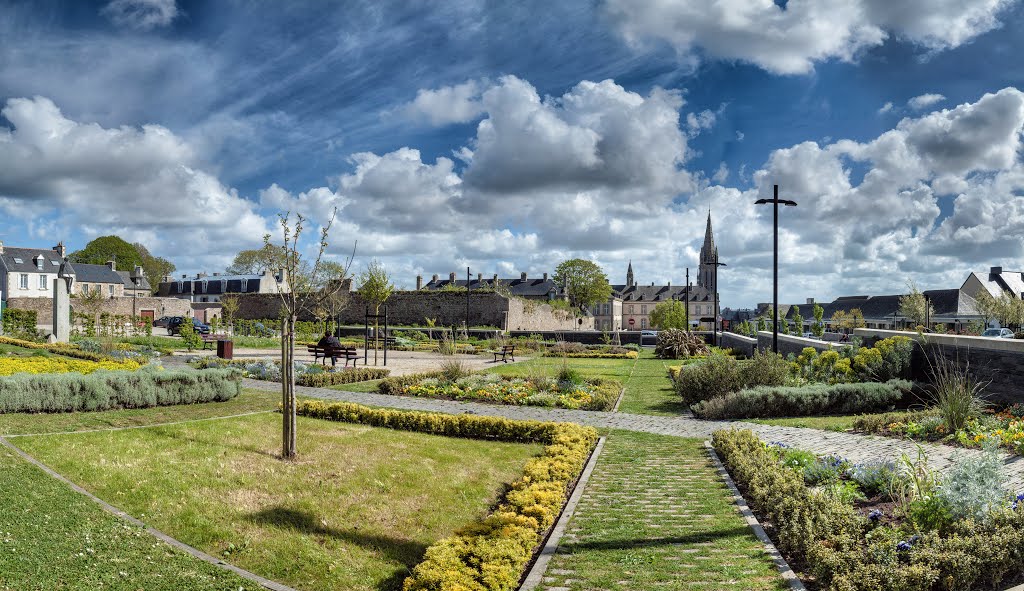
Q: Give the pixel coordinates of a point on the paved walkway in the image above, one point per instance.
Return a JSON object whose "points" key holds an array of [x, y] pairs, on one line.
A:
{"points": [[856, 448]]}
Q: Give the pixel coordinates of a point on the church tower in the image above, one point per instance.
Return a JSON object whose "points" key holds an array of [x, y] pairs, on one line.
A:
{"points": [[708, 258], [629, 275]]}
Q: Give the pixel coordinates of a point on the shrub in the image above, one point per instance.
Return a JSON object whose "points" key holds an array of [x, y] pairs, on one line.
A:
{"points": [[19, 323], [765, 368], [453, 368], [973, 486], [108, 390], [674, 343], [874, 477], [394, 386], [563, 347], [955, 392], [881, 422], [716, 376], [346, 376], [65, 349], [53, 365], [189, 338], [813, 399], [492, 553]]}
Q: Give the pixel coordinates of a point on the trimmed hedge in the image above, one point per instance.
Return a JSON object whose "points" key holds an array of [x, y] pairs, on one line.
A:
{"points": [[492, 554], [345, 376], [65, 349], [396, 386], [849, 553], [798, 401], [110, 390]]}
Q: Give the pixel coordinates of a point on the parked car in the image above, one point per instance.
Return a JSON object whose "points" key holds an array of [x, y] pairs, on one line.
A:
{"points": [[175, 322], [998, 333], [648, 333], [162, 321]]}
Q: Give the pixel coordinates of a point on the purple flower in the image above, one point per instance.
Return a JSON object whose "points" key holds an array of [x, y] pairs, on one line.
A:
{"points": [[875, 515], [903, 547]]}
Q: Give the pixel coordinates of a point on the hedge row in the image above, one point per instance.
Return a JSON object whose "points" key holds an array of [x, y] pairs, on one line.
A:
{"points": [[846, 552], [594, 355], [492, 554], [110, 390], [795, 401], [396, 386], [345, 376], [65, 349]]}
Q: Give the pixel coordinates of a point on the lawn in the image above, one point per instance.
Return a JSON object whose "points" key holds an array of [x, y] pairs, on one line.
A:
{"points": [[616, 369], [826, 423], [656, 515], [250, 400], [54, 538], [22, 352], [355, 512], [649, 390]]}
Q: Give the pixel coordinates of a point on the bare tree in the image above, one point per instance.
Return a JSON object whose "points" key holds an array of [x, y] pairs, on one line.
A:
{"points": [[308, 291]]}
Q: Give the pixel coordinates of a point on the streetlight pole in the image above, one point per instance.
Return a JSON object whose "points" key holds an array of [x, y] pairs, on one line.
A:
{"points": [[714, 312], [775, 263], [467, 302], [687, 299]]}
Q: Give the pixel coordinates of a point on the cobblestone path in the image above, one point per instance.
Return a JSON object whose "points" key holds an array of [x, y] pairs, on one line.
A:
{"points": [[856, 448], [655, 515]]}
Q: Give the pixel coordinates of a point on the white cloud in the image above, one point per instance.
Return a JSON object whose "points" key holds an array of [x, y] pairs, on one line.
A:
{"points": [[924, 101], [791, 40], [885, 108], [448, 104], [141, 14]]}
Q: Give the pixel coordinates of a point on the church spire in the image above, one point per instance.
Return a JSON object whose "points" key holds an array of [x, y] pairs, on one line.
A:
{"points": [[708, 258], [629, 274]]}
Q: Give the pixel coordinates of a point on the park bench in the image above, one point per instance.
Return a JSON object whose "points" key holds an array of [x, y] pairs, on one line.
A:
{"points": [[210, 339], [325, 353], [505, 352]]}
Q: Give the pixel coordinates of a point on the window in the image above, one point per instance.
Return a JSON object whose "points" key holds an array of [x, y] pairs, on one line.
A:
{"points": [[245, 284], [19, 261], [606, 309], [39, 261], [643, 309], [97, 289], [24, 281], [85, 288], [643, 323], [42, 282], [205, 290], [110, 290], [630, 310]]}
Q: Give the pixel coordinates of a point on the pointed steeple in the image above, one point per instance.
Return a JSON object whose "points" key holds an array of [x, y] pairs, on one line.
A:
{"points": [[629, 274], [708, 257]]}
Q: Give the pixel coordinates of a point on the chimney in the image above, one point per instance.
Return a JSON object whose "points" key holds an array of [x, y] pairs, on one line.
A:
{"points": [[522, 276], [434, 278], [451, 277], [996, 271], [166, 279], [184, 276], [59, 249], [810, 301], [419, 282], [202, 275], [545, 277], [1, 246], [495, 278], [111, 264], [479, 277], [216, 274], [669, 284], [282, 275]]}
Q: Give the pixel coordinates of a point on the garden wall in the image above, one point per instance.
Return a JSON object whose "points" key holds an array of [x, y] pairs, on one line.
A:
{"points": [[447, 308], [115, 306], [736, 342], [997, 361], [791, 344]]}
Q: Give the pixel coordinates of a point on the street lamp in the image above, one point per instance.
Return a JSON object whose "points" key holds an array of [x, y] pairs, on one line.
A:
{"points": [[775, 264], [686, 299]]}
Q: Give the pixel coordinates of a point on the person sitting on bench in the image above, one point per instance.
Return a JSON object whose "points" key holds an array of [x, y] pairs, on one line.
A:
{"points": [[331, 344]]}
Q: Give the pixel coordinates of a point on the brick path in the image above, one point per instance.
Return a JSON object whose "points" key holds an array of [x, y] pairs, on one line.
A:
{"points": [[856, 448]]}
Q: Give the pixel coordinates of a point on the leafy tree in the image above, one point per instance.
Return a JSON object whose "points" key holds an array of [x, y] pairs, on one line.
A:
{"points": [[255, 261], [228, 307], [818, 328], [155, 268], [914, 306], [783, 326], [375, 287], [1006, 308], [189, 336], [108, 248], [848, 320], [584, 283], [669, 314], [762, 322]]}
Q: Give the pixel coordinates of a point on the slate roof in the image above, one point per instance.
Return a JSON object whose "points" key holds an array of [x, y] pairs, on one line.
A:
{"points": [[96, 274], [126, 278], [661, 293], [517, 286], [214, 285], [27, 256], [946, 302]]}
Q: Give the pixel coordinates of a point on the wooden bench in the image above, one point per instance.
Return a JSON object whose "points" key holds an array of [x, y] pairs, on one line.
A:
{"points": [[348, 353], [506, 351], [209, 339]]}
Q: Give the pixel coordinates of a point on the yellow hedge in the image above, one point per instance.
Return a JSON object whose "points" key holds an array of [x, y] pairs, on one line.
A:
{"points": [[66, 349], [673, 371], [41, 365], [492, 554]]}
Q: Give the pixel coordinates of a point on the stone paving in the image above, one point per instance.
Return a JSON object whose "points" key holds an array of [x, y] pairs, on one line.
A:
{"points": [[856, 448]]}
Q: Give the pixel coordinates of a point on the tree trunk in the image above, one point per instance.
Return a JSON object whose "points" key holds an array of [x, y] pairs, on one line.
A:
{"points": [[288, 450], [376, 334]]}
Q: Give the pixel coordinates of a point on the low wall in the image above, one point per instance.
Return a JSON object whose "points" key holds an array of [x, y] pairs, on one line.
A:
{"points": [[791, 344], [999, 362], [744, 345], [122, 305]]}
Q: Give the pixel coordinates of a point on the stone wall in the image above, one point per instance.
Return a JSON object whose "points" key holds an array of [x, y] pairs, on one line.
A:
{"points": [[116, 306], [999, 362], [791, 344], [737, 342], [446, 308]]}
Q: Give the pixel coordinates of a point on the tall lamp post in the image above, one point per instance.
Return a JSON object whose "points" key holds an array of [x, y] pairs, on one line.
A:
{"points": [[467, 302], [775, 263], [686, 299], [714, 311]]}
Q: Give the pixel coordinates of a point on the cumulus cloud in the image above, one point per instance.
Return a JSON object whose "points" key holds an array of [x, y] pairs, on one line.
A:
{"points": [[448, 104], [790, 39], [885, 108], [141, 14], [924, 101]]}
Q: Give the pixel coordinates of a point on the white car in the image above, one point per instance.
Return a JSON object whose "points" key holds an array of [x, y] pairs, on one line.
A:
{"points": [[648, 333], [998, 333]]}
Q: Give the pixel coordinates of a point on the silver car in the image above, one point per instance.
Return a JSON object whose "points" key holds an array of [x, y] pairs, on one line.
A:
{"points": [[998, 333]]}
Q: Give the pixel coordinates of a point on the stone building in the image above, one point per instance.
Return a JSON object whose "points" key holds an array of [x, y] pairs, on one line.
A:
{"points": [[205, 288], [541, 288], [29, 273]]}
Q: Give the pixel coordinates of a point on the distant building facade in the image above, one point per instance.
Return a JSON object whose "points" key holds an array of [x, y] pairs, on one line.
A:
{"points": [[542, 288], [205, 288]]}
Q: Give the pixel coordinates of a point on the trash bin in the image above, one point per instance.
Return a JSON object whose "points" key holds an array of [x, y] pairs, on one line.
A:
{"points": [[225, 349]]}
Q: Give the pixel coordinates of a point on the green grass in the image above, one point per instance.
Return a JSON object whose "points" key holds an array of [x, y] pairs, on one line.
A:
{"points": [[617, 369], [356, 511], [54, 538], [827, 423], [649, 390], [368, 386], [656, 515], [22, 351], [248, 401]]}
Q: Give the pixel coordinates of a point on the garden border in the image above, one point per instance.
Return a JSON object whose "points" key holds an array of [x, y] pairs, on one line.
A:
{"points": [[788, 575], [534, 576], [264, 582]]}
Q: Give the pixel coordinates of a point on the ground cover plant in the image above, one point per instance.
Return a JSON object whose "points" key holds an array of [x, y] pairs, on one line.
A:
{"points": [[55, 538], [56, 364], [63, 349], [356, 512], [306, 374], [813, 399], [571, 350], [882, 525]]}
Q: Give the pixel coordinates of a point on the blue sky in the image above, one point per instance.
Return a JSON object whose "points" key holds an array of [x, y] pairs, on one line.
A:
{"points": [[511, 136]]}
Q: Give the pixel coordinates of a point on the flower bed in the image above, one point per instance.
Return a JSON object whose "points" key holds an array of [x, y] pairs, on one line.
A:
{"points": [[65, 349], [306, 374], [45, 365], [581, 351], [586, 394], [881, 526], [1005, 428], [491, 554]]}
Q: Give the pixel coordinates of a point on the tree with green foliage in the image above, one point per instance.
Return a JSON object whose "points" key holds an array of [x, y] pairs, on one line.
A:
{"points": [[108, 248], [762, 322], [189, 337], [155, 268], [375, 288], [1006, 308], [255, 261], [669, 314], [798, 321], [584, 283], [818, 328], [914, 307]]}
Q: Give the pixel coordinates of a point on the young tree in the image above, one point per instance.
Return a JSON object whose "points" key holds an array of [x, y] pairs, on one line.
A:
{"points": [[914, 306], [189, 337], [669, 314], [818, 328], [762, 322], [375, 287], [307, 290], [1005, 308], [228, 307], [798, 320], [584, 283]]}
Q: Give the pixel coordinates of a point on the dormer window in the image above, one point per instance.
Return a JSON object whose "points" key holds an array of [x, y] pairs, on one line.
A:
{"points": [[204, 287], [181, 287], [245, 285], [223, 285], [39, 261]]}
